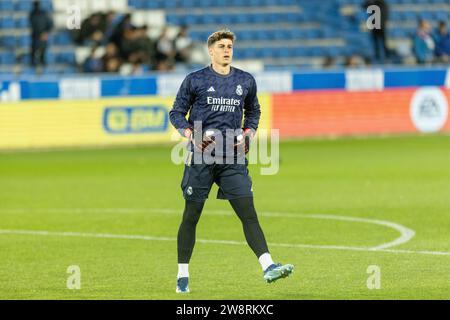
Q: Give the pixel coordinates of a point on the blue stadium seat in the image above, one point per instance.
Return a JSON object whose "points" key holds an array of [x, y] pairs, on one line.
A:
{"points": [[294, 17], [24, 6], [252, 3], [280, 34], [47, 5], [25, 59], [7, 58], [195, 35], [317, 51], [241, 18], [238, 3], [8, 41], [361, 16], [283, 53], [331, 51], [296, 34], [191, 19], [221, 3], [312, 33], [244, 36], [328, 33], [258, 18], [262, 35], [266, 52], [50, 57], [208, 19], [6, 6], [410, 15], [50, 69], [181, 19], [62, 38], [133, 3], [170, 4], [23, 41], [72, 69], [253, 53], [7, 23], [287, 2], [186, 4], [427, 15], [172, 19], [302, 51], [152, 5], [440, 15], [22, 22], [205, 3], [226, 19], [66, 57], [395, 15], [28, 71]]}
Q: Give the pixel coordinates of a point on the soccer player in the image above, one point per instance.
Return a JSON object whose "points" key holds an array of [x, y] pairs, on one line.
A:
{"points": [[218, 97]]}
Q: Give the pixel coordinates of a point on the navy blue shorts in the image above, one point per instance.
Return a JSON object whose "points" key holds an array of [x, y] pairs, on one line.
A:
{"points": [[233, 181]]}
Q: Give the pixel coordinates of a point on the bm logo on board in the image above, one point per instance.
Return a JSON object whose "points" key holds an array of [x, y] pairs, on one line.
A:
{"points": [[129, 120]]}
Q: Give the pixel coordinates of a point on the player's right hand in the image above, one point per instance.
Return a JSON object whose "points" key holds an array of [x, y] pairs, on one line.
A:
{"points": [[200, 145]]}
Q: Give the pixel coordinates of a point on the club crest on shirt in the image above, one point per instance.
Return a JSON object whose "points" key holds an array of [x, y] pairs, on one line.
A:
{"points": [[239, 90]]}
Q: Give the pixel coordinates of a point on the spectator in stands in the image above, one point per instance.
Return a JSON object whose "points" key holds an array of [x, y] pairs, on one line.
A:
{"points": [[118, 32], [144, 46], [128, 43], [379, 35], [111, 20], [183, 46], [92, 63], [165, 52], [354, 61], [442, 40], [423, 43], [133, 67], [111, 54], [329, 62], [112, 65], [41, 24], [91, 31]]}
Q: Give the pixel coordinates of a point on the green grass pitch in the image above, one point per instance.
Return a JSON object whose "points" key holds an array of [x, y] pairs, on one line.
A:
{"points": [[77, 195]]}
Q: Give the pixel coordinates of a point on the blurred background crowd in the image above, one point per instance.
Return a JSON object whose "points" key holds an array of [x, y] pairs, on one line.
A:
{"points": [[139, 36]]}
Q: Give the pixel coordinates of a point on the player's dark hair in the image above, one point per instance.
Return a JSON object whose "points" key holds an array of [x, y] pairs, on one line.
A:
{"points": [[219, 35]]}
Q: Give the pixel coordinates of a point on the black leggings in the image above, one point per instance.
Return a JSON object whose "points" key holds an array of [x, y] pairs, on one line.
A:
{"points": [[246, 212]]}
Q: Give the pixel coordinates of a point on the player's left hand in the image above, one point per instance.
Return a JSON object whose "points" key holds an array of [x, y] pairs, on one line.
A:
{"points": [[245, 139]]}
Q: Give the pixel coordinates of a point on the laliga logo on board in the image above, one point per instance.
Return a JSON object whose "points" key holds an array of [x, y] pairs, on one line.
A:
{"points": [[429, 109]]}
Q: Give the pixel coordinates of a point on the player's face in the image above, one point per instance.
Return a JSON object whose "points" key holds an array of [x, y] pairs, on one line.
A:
{"points": [[221, 52]]}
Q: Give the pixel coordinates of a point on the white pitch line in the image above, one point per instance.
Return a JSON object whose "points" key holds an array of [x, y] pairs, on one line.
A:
{"points": [[205, 241], [405, 233]]}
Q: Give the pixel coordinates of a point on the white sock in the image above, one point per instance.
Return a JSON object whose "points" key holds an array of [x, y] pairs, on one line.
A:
{"points": [[183, 270], [266, 260]]}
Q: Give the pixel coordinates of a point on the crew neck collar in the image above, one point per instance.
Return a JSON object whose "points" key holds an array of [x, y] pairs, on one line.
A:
{"points": [[221, 75]]}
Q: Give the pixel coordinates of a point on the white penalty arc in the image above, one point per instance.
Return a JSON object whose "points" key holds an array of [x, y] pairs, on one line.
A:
{"points": [[405, 233]]}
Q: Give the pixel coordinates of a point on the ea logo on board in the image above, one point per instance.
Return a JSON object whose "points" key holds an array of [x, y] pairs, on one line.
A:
{"points": [[429, 109]]}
